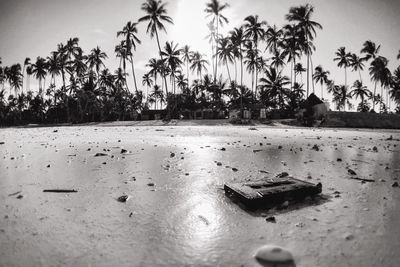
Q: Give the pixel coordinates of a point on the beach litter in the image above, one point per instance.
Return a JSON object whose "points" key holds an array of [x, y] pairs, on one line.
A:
{"points": [[274, 256], [265, 192], [60, 191]]}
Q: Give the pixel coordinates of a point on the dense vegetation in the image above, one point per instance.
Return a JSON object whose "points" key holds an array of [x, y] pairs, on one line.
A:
{"points": [[78, 87]]}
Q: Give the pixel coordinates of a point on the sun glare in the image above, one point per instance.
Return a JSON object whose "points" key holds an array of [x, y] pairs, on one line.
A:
{"points": [[190, 25]]}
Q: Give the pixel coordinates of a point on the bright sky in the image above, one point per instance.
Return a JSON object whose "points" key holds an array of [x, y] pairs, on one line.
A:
{"points": [[31, 28]]}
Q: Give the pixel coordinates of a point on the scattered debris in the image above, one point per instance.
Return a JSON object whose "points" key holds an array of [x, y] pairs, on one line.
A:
{"points": [[271, 219], [13, 194], [363, 179], [20, 196], [349, 237], [234, 169], [60, 191], [172, 155], [100, 155], [395, 184], [282, 174], [350, 171], [2, 143], [272, 255], [375, 149], [266, 192], [315, 147], [123, 151], [150, 184], [123, 199]]}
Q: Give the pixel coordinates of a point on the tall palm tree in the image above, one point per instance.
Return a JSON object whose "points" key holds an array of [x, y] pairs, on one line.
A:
{"points": [[379, 73], [302, 16], [54, 67], [251, 62], [72, 48], [95, 59], [357, 64], [225, 54], [291, 47], [156, 15], [171, 54], [14, 76], [39, 70], [254, 30], [27, 62], [187, 58], [370, 49], [238, 39], [321, 76], [343, 59], [129, 32], [199, 64], [214, 8]]}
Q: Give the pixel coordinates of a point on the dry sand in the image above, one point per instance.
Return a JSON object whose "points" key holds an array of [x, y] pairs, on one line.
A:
{"points": [[177, 213]]}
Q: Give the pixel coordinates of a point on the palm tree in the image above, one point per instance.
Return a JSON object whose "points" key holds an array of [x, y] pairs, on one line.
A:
{"points": [[14, 76], [321, 76], [357, 64], [39, 70], [129, 32], [147, 81], [63, 61], [291, 47], [275, 85], [361, 91], [157, 94], [299, 69], [255, 32], [370, 49], [379, 73], [95, 59], [72, 48], [198, 64], [225, 54], [278, 60], [302, 15], [187, 58], [343, 59], [251, 62], [27, 62], [237, 40], [214, 8], [341, 96], [274, 38], [156, 15], [171, 56]]}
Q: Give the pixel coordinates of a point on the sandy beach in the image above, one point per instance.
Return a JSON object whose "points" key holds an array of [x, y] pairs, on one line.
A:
{"points": [[177, 213]]}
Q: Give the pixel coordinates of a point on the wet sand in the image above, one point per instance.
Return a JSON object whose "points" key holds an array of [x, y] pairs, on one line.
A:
{"points": [[177, 213]]}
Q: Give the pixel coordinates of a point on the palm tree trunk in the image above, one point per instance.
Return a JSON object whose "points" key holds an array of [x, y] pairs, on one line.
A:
{"points": [[187, 71], [373, 97], [312, 74], [229, 74], [133, 73], [235, 69], [308, 65], [216, 52], [359, 72], [162, 59], [345, 76]]}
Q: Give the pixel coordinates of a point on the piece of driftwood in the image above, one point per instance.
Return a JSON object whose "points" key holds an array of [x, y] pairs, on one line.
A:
{"points": [[269, 192], [60, 191], [363, 179]]}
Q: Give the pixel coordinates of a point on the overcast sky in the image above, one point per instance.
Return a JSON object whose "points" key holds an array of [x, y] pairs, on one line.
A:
{"points": [[31, 28]]}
